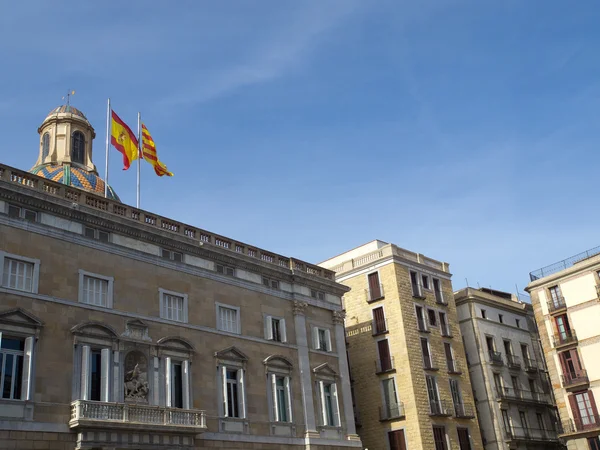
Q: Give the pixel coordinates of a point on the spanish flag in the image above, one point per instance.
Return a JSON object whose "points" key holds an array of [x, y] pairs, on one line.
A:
{"points": [[149, 153], [124, 140]]}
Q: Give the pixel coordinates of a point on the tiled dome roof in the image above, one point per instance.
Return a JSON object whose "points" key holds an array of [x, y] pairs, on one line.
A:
{"points": [[65, 109], [73, 176]]}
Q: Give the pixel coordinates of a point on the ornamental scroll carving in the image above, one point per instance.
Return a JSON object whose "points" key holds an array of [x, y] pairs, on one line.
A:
{"points": [[300, 308], [339, 316], [136, 377]]}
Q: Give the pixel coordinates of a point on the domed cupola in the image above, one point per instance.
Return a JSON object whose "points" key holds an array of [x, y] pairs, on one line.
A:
{"points": [[65, 153]]}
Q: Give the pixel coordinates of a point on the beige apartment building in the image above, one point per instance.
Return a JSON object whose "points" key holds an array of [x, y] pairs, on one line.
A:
{"points": [[567, 310], [409, 375], [121, 329], [508, 374]]}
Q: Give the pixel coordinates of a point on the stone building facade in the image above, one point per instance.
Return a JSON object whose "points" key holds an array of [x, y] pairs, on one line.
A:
{"points": [[122, 329], [513, 397], [409, 374], [565, 298]]}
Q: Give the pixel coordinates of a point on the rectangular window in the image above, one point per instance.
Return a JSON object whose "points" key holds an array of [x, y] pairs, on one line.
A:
{"points": [[397, 440], [232, 394], [177, 383], [532, 388], [390, 398], [585, 410], [379, 325], [225, 270], [375, 291], [329, 404], [426, 354], [321, 339], [555, 296], [507, 348], [449, 358], [483, 314], [594, 443], [281, 397], [385, 359], [518, 323], [500, 318], [432, 394], [540, 421], [275, 327], [439, 437], [563, 327], [270, 283], [317, 294], [94, 233], [22, 213], [425, 281], [173, 306], [96, 375], [456, 395], [18, 274], [432, 317], [516, 386], [414, 282], [228, 319], [437, 290], [445, 329], [506, 421], [95, 291], [12, 351], [171, 255], [571, 365], [421, 324], [525, 352], [490, 344], [524, 423], [463, 439]]}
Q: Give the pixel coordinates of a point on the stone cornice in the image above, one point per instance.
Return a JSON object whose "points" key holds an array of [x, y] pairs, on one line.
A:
{"points": [[140, 231]]}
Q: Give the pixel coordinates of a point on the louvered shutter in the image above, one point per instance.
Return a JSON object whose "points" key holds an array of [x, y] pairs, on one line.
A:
{"points": [[274, 396], [27, 368], [105, 355], [224, 389], [169, 382], [85, 372], [185, 384], [336, 406], [242, 393]]}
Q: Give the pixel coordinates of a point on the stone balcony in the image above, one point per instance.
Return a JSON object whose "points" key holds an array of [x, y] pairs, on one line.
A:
{"points": [[531, 435], [86, 414]]}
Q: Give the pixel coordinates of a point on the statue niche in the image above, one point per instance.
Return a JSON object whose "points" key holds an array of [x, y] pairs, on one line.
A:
{"points": [[136, 377]]}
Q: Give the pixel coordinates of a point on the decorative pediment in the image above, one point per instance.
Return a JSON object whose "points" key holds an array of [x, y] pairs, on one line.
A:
{"points": [[176, 343], [231, 354], [136, 329], [278, 360], [20, 318], [94, 329], [325, 370]]}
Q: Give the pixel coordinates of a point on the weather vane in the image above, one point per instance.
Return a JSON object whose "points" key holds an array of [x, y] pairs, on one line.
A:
{"points": [[68, 96]]}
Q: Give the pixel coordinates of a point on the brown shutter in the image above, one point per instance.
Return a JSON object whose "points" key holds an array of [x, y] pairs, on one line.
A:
{"points": [[379, 317], [575, 412], [463, 439], [563, 363], [384, 354], [594, 407], [374, 286], [397, 441], [448, 351]]}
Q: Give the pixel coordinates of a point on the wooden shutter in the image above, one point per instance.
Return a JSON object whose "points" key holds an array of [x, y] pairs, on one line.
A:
{"points": [[168, 382], [379, 319], [282, 330], [27, 378], [288, 394], [241, 393], [336, 406], [575, 411], [85, 372], [425, 350], [328, 339], [397, 440], [374, 286], [185, 384], [315, 338], [594, 407], [224, 390], [274, 395], [463, 439], [439, 436], [269, 328], [105, 374], [384, 355]]}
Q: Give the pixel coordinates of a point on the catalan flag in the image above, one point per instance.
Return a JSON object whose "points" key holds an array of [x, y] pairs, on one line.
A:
{"points": [[124, 140], [149, 153]]}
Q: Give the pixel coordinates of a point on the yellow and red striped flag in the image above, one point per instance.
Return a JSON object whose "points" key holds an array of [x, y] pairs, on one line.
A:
{"points": [[124, 140], [149, 153]]}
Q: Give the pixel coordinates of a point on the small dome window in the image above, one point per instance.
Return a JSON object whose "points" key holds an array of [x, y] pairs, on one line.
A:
{"points": [[45, 146], [78, 147]]}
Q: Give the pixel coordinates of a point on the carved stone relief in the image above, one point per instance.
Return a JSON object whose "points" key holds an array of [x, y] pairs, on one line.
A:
{"points": [[136, 377]]}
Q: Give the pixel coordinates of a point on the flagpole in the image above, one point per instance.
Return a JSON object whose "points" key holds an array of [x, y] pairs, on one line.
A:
{"points": [[108, 132], [140, 156]]}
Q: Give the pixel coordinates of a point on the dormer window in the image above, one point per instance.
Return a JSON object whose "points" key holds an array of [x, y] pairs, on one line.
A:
{"points": [[78, 147], [45, 146]]}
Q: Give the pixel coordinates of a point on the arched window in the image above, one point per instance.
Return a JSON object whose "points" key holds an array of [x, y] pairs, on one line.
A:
{"points": [[78, 147], [45, 145]]}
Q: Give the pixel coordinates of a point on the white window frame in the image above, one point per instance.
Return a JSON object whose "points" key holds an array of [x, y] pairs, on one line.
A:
{"points": [[169, 362], [269, 328], [35, 275], [27, 376], [424, 276], [273, 397], [384, 403], [161, 293], [241, 383], [315, 338], [335, 404], [437, 319], [109, 292], [439, 280], [425, 317], [218, 307]]}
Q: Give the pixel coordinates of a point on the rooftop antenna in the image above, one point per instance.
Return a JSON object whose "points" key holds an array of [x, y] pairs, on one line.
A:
{"points": [[68, 96], [467, 281], [478, 287], [517, 288]]}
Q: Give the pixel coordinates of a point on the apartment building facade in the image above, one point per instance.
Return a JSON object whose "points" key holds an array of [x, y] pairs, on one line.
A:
{"points": [[508, 374], [565, 298], [121, 329], [410, 384]]}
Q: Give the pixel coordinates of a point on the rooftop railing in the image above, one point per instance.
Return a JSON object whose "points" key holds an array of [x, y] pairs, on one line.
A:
{"points": [[76, 197], [562, 265]]}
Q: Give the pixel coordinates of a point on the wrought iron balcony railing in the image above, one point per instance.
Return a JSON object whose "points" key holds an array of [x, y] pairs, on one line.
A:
{"points": [[374, 294], [575, 378], [513, 362], [590, 423], [521, 395], [440, 408], [428, 364], [556, 304], [453, 367], [86, 412], [464, 411], [565, 338], [496, 358], [530, 434], [384, 365], [530, 365], [390, 412]]}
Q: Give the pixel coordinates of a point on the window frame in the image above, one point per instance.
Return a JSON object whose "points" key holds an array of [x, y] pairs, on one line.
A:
{"points": [[334, 395], [241, 406], [316, 338], [218, 307], [97, 232], [226, 270], [268, 320], [425, 281], [432, 313], [83, 145], [171, 254], [109, 292], [271, 283], [161, 293], [22, 214], [35, 273], [45, 146]]}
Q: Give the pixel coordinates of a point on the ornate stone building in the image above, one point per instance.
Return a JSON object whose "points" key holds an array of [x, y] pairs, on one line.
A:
{"points": [[409, 372], [122, 329]]}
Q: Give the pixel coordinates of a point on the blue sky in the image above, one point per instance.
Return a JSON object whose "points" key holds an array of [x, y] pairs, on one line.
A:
{"points": [[464, 130]]}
